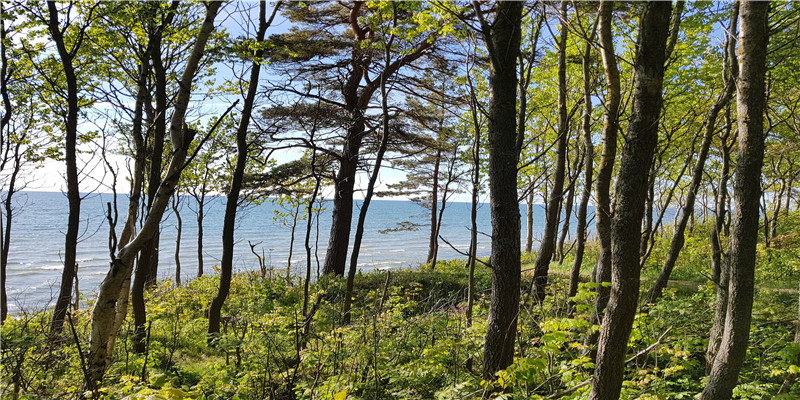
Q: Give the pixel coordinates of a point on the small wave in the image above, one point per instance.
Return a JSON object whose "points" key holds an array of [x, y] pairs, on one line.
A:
{"points": [[395, 251]]}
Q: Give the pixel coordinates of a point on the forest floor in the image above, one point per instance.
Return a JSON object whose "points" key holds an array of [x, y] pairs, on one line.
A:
{"points": [[410, 338]]}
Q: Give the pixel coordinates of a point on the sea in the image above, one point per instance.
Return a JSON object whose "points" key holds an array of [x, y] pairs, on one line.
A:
{"points": [[395, 236]]}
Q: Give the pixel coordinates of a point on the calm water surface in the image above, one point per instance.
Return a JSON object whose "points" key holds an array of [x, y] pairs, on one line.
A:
{"points": [[37, 240]]}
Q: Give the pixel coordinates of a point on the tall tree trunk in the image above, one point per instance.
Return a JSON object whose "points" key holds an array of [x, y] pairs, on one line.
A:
{"points": [[588, 166], [740, 260], [548, 245], [201, 201], [147, 263], [103, 329], [5, 145], [232, 202], [720, 210], [602, 268], [5, 225], [70, 157], [529, 223], [362, 215], [175, 209], [476, 187], [709, 126], [433, 240], [630, 194], [503, 44], [568, 206]]}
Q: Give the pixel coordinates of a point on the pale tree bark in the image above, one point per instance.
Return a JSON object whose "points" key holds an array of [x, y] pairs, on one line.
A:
{"points": [[709, 127], [602, 268], [103, 332], [548, 244], [630, 195], [740, 260], [232, 202], [502, 39], [588, 165]]}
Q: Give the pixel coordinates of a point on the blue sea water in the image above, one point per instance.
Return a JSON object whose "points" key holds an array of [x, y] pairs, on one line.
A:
{"points": [[37, 240]]}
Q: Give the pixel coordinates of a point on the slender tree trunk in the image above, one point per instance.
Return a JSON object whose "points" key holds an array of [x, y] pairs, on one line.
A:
{"points": [[721, 212], [588, 167], [548, 245], [5, 144], [362, 215], [529, 223], [232, 203], [5, 225], [602, 269], [568, 208], [630, 194], [147, 263], [773, 233], [201, 200], [433, 240], [740, 260], [678, 240], [295, 215], [103, 329], [503, 43], [70, 156], [476, 187], [175, 201]]}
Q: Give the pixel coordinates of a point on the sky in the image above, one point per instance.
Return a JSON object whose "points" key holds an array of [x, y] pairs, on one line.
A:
{"points": [[50, 175]]}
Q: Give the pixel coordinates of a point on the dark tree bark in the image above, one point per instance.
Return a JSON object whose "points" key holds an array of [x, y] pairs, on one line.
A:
{"points": [[602, 268], [15, 156], [548, 245], [104, 321], [356, 99], [147, 263], [503, 45], [177, 211], [709, 126], [630, 194], [70, 157], [529, 222], [232, 202], [740, 260], [588, 167], [433, 240]]}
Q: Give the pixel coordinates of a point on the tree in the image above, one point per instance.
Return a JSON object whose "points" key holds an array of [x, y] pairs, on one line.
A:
{"points": [[548, 244], [67, 58], [740, 260], [232, 202], [356, 86], [103, 328], [630, 194], [602, 269], [502, 38], [709, 127]]}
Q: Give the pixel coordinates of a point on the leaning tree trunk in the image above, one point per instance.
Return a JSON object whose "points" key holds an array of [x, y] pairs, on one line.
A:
{"points": [[678, 238], [175, 209], [740, 260], [602, 269], [548, 244], [630, 194], [503, 43], [588, 169], [103, 329], [232, 203], [70, 158], [362, 215]]}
